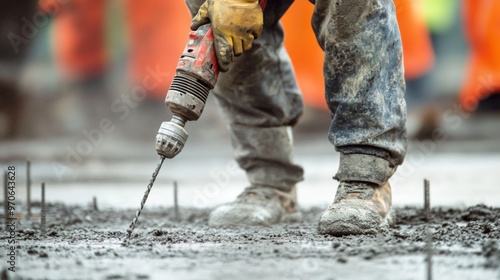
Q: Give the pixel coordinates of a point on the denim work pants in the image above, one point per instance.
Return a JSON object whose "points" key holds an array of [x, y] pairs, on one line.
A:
{"points": [[363, 73]]}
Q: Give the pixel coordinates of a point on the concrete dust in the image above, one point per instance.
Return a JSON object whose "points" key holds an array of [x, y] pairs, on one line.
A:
{"points": [[81, 243]]}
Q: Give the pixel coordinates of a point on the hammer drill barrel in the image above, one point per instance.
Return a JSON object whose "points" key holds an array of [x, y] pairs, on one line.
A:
{"points": [[196, 74]]}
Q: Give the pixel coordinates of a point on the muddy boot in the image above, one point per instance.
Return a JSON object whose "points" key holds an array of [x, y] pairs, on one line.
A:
{"points": [[358, 208], [258, 206]]}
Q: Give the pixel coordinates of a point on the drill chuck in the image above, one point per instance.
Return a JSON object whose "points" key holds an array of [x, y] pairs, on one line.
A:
{"points": [[171, 137]]}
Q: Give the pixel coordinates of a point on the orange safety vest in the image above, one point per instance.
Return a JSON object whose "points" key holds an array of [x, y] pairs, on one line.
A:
{"points": [[79, 36], [158, 32], [418, 54], [482, 27]]}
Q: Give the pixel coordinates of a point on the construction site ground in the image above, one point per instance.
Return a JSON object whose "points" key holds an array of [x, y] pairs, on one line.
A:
{"points": [[84, 243]]}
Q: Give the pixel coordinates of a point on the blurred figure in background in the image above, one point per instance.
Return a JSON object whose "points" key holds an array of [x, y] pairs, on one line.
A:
{"points": [[14, 47], [424, 25], [481, 88], [79, 37], [81, 56], [417, 45], [157, 33], [111, 55], [440, 16]]}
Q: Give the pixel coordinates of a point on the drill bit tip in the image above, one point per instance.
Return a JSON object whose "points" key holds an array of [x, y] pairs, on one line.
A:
{"points": [[144, 198]]}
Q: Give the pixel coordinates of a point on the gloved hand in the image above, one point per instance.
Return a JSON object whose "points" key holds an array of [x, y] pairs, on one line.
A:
{"points": [[236, 23]]}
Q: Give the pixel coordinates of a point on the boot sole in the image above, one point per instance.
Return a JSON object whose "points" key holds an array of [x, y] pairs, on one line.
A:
{"points": [[347, 227], [250, 218]]}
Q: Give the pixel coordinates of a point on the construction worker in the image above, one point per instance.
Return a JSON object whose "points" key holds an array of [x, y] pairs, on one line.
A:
{"points": [[258, 94], [482, 79]]}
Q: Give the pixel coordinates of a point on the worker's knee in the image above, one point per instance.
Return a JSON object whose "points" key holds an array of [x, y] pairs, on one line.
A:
{"points": [[260, 110], [341, 20]]}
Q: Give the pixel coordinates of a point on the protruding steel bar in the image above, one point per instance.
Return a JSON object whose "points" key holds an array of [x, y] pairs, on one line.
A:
{"points": [[427, 200], [176, 203], [94, 204], [429, 254], [43, 211], [28, 189]]}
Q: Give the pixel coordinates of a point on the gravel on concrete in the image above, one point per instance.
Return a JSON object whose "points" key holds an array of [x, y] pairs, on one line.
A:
{"points": [[81, 243]]}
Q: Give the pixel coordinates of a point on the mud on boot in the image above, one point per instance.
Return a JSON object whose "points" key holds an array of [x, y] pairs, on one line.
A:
{"points": [[258, 206], [358, 208]]}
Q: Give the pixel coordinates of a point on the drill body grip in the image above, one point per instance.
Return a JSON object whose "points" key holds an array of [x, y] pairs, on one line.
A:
{"points": [[198, 58], [196, 74]]}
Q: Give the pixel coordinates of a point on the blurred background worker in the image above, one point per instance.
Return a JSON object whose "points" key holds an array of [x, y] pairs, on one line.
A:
{"points": [[68, 73], [156, 32], [79, 37], [14, 48], [481, 87], [100, 50], [423, 25]]}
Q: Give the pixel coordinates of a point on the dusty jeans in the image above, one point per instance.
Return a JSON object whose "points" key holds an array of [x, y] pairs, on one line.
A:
{"points": [[364, 91]]}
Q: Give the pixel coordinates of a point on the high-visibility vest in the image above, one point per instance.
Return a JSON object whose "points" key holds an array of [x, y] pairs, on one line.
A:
{"points": [[157, 33], [78, 36], [482, 27]]}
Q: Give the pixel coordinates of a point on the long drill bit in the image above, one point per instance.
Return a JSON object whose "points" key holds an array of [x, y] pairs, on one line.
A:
{"points": [[144, 198]]}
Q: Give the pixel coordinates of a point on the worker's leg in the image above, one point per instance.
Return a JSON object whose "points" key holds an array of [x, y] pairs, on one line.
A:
{"points": [[261, 101], [365, 94]]}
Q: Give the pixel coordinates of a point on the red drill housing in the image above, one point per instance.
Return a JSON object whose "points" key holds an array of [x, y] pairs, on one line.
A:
{"points": [[196, 74]]}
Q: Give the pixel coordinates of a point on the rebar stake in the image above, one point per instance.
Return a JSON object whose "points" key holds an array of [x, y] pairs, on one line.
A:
{"points": [[94, 204], [28, 189], [429, 253], [427, 201], [176, 204], [43, 210]]}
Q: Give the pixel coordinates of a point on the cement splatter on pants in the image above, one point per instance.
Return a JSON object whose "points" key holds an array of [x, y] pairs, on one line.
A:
{"points": [[364, 84]]}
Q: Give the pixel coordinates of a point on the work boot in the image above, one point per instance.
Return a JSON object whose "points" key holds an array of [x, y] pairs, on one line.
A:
{"points": [[358, 208], [258, 206]]}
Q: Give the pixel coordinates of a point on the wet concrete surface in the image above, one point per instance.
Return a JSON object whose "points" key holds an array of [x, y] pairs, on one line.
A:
{"points": [[85, 244]]}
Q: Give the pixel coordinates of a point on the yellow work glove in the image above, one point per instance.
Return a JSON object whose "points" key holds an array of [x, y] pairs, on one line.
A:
{"points": [[236, 23]]}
